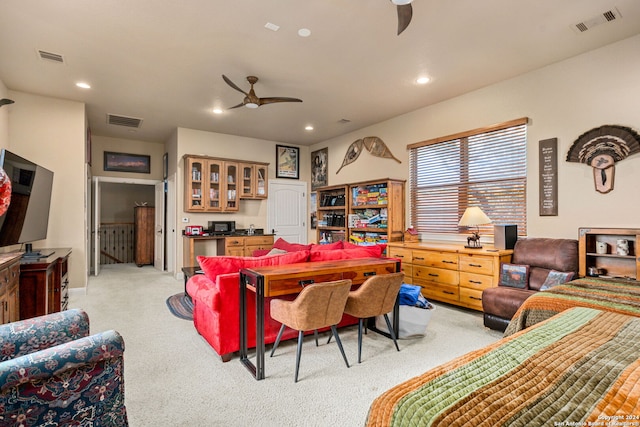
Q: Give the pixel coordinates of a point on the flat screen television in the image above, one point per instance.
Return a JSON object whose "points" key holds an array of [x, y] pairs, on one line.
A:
{"points": [[27, 217]]}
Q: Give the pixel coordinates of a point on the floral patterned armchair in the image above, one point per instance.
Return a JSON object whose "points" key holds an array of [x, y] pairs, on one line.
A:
{"points": [[52, 373]]}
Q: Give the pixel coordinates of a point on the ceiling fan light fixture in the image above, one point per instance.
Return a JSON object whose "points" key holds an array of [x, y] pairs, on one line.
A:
{"points": [[401, 2], [251, 105]]}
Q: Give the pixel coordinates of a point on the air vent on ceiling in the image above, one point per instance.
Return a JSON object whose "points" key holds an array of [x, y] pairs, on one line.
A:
{"points": [[344, 121], [130, 122], [50, 56], [608, 16]]}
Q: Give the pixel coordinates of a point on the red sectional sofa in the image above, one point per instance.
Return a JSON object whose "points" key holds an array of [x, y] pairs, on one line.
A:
{"points": [[216, 299]]}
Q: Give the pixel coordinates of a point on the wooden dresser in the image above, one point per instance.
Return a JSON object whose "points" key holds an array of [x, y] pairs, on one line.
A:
{"points": [[448, 272], [143, 235], [44, 283], [9, 287]]}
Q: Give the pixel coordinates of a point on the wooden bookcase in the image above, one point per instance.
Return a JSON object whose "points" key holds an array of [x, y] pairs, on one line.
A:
{"points": [[363, 212], [610, 263]]}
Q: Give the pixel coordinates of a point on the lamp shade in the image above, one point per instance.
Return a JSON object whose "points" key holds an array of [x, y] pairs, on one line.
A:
{"points": [[474, 216]]}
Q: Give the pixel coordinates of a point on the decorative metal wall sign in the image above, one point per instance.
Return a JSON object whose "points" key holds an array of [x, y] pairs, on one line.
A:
{"points": [[373, 144], [548, 164], [601, 148]]}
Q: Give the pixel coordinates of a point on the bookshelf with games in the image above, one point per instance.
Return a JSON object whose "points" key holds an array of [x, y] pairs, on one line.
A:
{"points": [[332, 213], [376, 212], [364, 213]]}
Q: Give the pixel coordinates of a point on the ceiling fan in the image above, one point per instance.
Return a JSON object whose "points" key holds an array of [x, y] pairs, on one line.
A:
{"points": [[251, 100], [405, 12]]}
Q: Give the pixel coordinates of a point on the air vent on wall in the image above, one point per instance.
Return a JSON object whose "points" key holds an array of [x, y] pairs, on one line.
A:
{"points": [[130, 122], [608, 16], [49, 56]]}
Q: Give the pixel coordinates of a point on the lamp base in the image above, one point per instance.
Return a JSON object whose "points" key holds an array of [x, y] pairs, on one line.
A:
{"points": [[472, 247]]}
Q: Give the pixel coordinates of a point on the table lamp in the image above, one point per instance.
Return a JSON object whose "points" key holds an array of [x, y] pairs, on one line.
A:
{"points": [[473, 217]]}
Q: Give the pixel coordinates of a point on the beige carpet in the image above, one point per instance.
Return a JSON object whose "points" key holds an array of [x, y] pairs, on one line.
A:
{"points": [[174, 378]]}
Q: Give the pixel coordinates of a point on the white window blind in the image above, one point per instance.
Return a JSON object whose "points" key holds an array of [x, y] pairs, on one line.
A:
{"points": [[485, 168]]}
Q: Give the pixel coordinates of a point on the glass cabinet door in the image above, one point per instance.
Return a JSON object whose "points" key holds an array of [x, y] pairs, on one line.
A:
{"points": [[193, 197], [213, 190], [247, 180], [232, 196], [260, 181]]}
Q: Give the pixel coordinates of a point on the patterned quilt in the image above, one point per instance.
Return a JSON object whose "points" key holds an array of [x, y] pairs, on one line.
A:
{"points": [[581, 367], [619, 296]]}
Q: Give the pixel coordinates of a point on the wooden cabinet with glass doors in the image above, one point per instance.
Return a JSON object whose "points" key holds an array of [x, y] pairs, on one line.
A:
{"points": [[217, 185], [254, 180]]}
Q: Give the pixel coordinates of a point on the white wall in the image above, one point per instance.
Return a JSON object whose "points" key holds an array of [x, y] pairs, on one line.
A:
{"points": [[562, 101], [51, 132], [4, 118]]}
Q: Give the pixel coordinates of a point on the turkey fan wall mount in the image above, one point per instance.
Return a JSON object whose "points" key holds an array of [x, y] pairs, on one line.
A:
{"points": [[251, 100]]}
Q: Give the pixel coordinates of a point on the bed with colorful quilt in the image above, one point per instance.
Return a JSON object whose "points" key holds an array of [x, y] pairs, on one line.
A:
{"points": [[617, 295], [580, 367]]}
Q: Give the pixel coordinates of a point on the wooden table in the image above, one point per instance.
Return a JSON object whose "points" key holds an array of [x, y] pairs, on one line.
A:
{"points": [[290, 279]]}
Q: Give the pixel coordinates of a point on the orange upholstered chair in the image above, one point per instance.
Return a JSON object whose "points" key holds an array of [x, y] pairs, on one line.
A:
{"points": [[317, 306], [375, 297]]}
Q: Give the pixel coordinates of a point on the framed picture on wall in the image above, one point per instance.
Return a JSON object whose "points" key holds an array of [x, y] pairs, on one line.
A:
{"points": [[124, 162], [319, 160], [287, 162]]}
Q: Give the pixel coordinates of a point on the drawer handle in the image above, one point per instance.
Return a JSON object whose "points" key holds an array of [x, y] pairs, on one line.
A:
{"points": [[433, 275], [475, 281], [448, 292], [399, 256], [419, 258], [304, 283], [475, 265], [369, 273], [448, 262], [475, 298]]}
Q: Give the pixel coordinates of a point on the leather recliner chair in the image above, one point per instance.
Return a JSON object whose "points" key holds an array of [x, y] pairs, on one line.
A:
{"points": [[500, 303]]}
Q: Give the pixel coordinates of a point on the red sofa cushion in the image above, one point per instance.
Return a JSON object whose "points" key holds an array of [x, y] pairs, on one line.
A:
{"points": [[290, 247], [216, 265], [327, 246], [376, 250], [341, 254]]}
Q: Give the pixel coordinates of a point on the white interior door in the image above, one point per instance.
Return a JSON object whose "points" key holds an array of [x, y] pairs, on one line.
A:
{"points": [[96, 227], [287, 210], [158, 247], [170, 240]]}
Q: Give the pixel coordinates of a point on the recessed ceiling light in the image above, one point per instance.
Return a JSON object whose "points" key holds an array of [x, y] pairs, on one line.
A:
{"points": [[308, 127], [83, 85], [423, 80], [304, 32], [217, 111]]}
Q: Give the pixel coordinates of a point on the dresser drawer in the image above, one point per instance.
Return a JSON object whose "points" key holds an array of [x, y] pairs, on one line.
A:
{"points": [[476, 281], [471, 298], [436, 259], [438, 291], [258, 241], [407, 269], [476, 264], [440, 275], [400, 253], [230, 242], [294, 285], [359, 275], [4, 278]]}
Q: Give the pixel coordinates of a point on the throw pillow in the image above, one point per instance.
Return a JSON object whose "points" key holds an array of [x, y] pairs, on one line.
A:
{"points": [[376, 250], [281, 259], [275, 251], [514, 275], [556, 278], [290, 247], [340, 254], [327, 246]]}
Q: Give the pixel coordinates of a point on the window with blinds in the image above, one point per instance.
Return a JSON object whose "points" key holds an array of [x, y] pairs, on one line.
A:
{"points": [[485, 167]]}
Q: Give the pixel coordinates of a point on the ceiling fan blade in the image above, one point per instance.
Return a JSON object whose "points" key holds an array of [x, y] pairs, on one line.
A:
{"points": [[233, 85], [274, 99], [405, 13], [236, 106]]}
